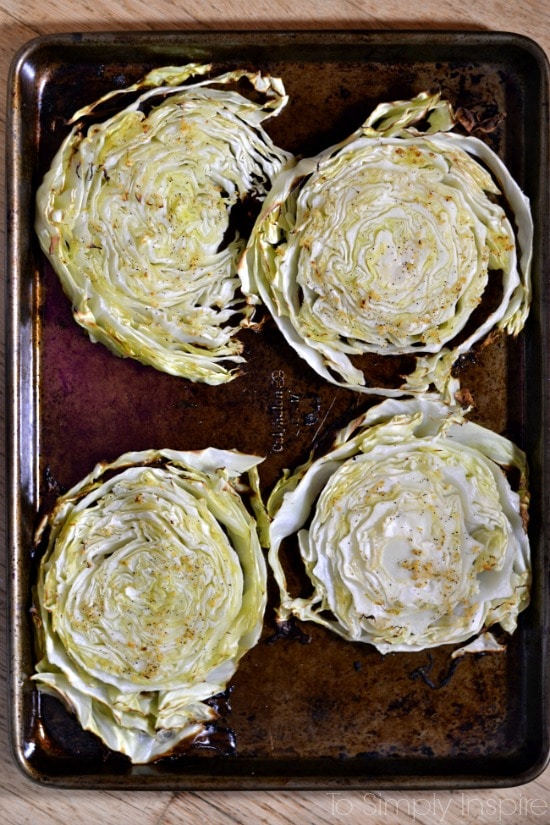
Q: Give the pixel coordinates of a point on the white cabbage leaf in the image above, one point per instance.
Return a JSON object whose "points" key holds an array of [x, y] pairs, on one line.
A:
{"points": [[387, 242], [151, 588], [408, 529], [137, 217]]}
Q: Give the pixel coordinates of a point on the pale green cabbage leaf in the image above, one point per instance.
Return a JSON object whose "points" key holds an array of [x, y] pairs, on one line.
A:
{"points": [[408, 529], [386, 243], [151, 588], [135, 216]]}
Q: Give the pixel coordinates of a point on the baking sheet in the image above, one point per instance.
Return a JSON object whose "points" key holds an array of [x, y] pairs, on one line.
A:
{"points": [[306, 710]]}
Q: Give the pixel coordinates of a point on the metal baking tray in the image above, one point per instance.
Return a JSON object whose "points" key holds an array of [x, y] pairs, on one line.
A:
{"points": [[325, 714]]}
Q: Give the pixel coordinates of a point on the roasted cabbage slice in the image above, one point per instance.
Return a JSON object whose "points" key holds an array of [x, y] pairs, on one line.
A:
{"points": [[387, 242], [151, 589], [145, 215], [408, 529]]}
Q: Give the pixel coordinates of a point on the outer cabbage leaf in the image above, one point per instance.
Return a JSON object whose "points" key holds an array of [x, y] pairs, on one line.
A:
{"points": [[151, 589], [408, 529], [137, 217], [386, 243]]}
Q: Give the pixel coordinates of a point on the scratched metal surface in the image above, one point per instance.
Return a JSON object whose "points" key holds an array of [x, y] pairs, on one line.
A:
{"points": [[306, 710]]}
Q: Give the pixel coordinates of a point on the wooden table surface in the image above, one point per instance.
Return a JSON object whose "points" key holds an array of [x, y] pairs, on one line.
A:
{"points": [[22, 801]]}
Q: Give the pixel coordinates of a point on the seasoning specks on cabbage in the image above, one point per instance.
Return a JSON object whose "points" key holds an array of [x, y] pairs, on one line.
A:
{"points": [[408, 529], [386, 244], [151, 589], [137, 217]]}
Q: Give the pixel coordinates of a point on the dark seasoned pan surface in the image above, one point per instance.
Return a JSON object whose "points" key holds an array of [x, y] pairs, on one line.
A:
{"points": [[304, 709]]}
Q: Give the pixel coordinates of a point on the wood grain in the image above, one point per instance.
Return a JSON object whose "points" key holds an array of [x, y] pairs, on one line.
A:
{"points": [[21, 801]]}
